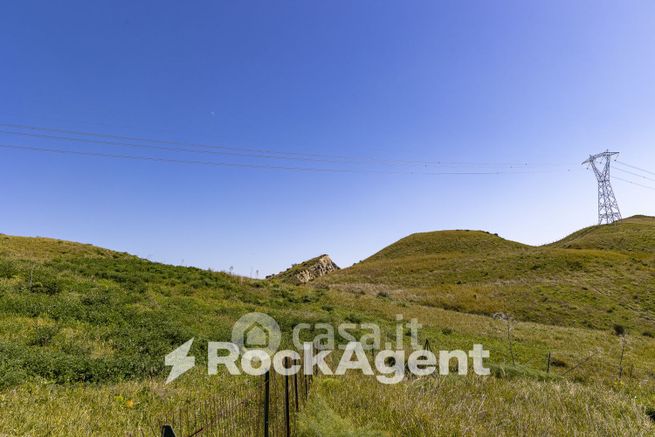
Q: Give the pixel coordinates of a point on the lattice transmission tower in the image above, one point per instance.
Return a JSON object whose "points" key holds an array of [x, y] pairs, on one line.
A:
{"points": [[608, 208]]}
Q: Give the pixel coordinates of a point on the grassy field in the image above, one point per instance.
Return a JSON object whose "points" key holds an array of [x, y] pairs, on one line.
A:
{"points": [[448, 406], [84, 332]]}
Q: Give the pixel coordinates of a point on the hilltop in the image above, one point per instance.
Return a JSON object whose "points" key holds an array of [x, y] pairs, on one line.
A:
{"points": [[307, 271], [595, 278], [634, 234], [445, 242]]}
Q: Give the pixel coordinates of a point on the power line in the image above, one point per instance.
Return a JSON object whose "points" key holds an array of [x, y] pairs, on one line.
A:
{"points": [[259, 153], [633, 183], [635, 167], [169, 160], [176, 149], [254, 166], [636, 174], [164, 148]]}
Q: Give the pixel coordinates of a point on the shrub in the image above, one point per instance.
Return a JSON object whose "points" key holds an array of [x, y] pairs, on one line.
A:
{"points": [[7, 269], [556, 362], [354, 318], [45, 287], [43, 335]]}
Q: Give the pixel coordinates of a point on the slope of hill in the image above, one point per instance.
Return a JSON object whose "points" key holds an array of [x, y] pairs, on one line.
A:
{"points": [[634, 234], [596, 278], [84, 332], [78, 313]]}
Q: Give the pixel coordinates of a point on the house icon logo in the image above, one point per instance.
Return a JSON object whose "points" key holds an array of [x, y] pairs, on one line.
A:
{"points": [[257, 331]]}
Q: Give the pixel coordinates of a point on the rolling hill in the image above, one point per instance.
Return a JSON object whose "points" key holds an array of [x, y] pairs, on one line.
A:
{"points": [[634, 234], [595, 278], [83, 333]]}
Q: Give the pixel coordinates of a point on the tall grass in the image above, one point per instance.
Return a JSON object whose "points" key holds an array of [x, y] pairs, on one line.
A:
{"points": [[451, 406]]}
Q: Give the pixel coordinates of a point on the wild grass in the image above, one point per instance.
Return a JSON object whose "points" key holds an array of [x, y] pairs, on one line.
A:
{"points": [[125, 408], [470, 406]]}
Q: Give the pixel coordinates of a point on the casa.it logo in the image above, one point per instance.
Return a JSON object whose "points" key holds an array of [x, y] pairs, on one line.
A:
{"points": [[256, 338], [256, 331]]}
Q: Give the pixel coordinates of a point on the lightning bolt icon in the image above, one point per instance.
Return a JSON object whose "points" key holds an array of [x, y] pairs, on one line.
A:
{"points": [[179, 361]]}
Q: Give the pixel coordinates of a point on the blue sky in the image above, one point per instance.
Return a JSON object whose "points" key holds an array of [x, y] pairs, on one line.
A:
{"points": [[479, 83]]}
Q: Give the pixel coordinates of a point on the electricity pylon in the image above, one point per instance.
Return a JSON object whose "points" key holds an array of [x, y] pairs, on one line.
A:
{"points": [[608, 208]]}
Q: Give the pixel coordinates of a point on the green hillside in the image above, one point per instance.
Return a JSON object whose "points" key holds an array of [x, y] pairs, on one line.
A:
{"points": [[595, 278], [84, 330], [446, 242], [78, 313], [634, 234]]}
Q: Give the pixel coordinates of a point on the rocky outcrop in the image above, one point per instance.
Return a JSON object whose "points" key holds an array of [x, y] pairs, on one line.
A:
{"points": [[308, 270]]}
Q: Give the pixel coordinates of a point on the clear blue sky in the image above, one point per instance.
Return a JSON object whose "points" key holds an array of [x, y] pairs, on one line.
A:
{"points": [[544, 83]]}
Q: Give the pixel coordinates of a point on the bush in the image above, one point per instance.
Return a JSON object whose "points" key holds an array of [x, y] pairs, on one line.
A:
{"points": [[46, 287], [555, 362], [354, 318], [619, 330], [43, 335], [650, 412], [11, 375], [7, 269]]}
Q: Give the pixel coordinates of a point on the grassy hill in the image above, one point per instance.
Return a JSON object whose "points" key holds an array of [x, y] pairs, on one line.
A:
{"points": [[595, 278], [83, 333], [79, 313], [446, 242], [634, 234]]}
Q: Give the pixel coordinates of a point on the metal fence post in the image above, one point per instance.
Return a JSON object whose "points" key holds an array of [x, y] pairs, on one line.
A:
{"points": [[295, 388], [167, 431], [548, 365], [305, 379], [287, 412], [267, 398]]}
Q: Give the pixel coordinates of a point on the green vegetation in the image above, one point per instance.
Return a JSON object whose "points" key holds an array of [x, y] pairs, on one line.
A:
{"points": [[634, 234], [76, 313], [470, 406], [84, 332], [596, 278]]}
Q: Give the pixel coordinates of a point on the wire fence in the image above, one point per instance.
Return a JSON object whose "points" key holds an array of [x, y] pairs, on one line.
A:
{"points": [[267, 406]]}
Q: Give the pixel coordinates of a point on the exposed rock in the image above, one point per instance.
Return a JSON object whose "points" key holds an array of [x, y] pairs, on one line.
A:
{"points": [[309, 270]]}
